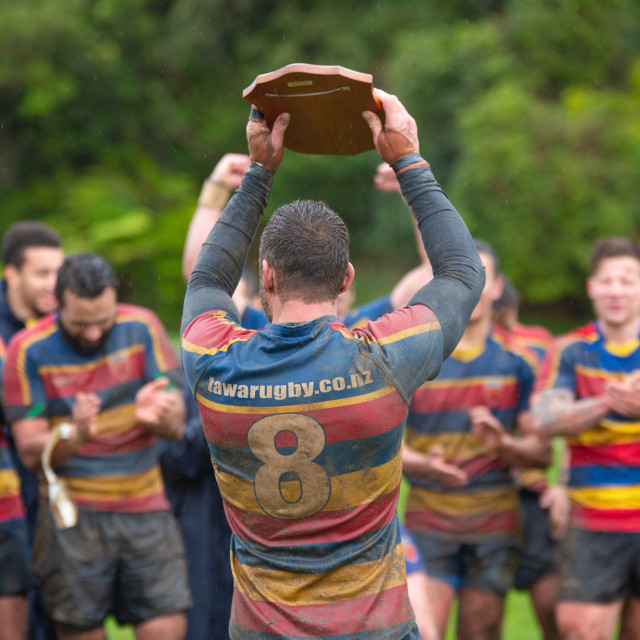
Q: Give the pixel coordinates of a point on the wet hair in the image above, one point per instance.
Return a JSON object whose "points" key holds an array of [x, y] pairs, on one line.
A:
{"points": [[307, 246], [482, 246], [615, 247], [509, 299], [85, 275], [23, 235]]}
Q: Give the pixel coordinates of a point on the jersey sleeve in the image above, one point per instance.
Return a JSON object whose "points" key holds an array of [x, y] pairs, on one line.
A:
{"points": [[527, 382], [23, 389], [368, 312], [407, 345], [558, 369]]}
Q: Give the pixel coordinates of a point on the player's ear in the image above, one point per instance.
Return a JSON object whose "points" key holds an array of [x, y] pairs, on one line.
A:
{"points": [[348, 278], [11, 275], [268, 277]]}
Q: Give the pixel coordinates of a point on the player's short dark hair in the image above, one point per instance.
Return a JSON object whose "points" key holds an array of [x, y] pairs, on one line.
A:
{"points": [[86, 275], [509, 298], [23, 235], [482, 246], [307, 245], [614, 247]]}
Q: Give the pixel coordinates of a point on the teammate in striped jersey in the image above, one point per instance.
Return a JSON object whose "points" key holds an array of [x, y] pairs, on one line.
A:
{"points": [[592, 397], [305, 419], [102, 369], [465, 431]]}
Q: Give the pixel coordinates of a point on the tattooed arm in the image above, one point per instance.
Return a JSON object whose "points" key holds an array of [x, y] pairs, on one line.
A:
{"points": [[557, 413]]}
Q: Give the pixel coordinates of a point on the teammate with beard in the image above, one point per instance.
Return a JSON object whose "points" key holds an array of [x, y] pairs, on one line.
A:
{"points": [[100, 372]]}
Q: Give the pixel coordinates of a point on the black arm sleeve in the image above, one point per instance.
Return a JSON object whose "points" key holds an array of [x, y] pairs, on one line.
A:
{"points": [[458, 272], [218, 268]]}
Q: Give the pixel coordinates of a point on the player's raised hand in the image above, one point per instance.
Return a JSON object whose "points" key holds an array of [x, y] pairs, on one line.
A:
{"points": [[399, 136], [266, 146], [230, 170]]}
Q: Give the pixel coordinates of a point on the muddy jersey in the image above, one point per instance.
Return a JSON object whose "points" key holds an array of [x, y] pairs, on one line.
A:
{"points": [[305, 425], [118, 469], [11, 507], [604, 482], [493, 376]]}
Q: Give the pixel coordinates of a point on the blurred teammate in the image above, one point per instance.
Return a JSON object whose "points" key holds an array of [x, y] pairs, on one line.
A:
{"points": [[462, 440], [15, 577], [305, 419], [592, 398], [100, 369], [31, 255], [543, 508]]}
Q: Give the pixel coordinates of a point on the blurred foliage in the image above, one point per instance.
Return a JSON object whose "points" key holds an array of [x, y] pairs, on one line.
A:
{"points": [[112, 112]]}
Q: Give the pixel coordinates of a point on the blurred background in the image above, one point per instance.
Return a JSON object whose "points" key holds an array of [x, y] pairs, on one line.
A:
{"points": [[112, 113]]}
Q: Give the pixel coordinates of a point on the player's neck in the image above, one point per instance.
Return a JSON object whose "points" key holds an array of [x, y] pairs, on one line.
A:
{"points": [[476, 333], [295, 310], [18, 307], [620, 334]]}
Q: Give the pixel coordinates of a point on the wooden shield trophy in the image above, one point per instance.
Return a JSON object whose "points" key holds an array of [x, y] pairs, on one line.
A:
{"points": [[325, 103]]}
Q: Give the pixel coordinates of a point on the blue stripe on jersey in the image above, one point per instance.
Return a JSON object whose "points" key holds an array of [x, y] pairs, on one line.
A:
{"points": [[336, 459], [319, 558], [388, 633], [116, 465], [600, 476]]}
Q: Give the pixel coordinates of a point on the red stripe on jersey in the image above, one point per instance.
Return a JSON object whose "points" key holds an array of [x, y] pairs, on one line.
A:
{"points": [[436, 398], [621, 520], [478, 466], [136, 439], [340, 423], [11, 508], [109, 372], [154, 502], [432, 522], [370, 613], [590, 384], [612, 454], [327, 526]]}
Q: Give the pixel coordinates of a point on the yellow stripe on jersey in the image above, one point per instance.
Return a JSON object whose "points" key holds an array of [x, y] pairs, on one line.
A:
{"points": [[600, 374], [114, 487], [608, 432], [468, 382], [498, 500], [9, 483], [299, 589], [608, 498], [459, 446], [94, 364], [348, 491], [156, 341], [296, 408]]}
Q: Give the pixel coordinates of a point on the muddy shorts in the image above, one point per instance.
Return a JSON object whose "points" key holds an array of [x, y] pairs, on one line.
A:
{"points": [[538, 557], [15, 575], [599, 566], [487, 566], [130, 565]]}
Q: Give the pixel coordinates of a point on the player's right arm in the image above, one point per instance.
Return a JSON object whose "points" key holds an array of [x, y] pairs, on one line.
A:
{"points": [[222, 257], [458, 272]]}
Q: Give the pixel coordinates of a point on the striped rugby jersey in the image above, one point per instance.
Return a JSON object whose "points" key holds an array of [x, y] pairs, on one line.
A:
{"points": [[604, 483], [305, 425], [118, 470], [492, 376], [11, 507]]}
